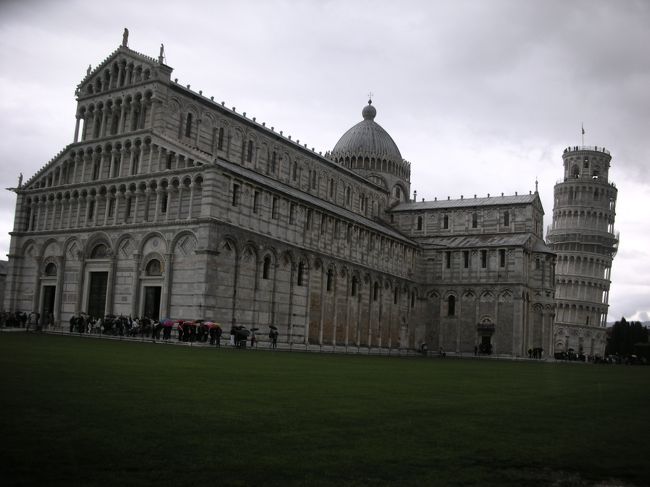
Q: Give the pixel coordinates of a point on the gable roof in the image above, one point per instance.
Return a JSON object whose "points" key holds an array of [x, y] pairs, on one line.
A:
{"points": [[521, 199]]}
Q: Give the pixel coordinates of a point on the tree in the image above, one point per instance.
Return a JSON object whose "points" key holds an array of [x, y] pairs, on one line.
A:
{"points": [[624, 336]]}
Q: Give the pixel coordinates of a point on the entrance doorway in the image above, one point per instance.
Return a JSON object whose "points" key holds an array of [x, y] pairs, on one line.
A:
{"points": [[486, 344], [97, 294], [49, 292], [152, 302]]}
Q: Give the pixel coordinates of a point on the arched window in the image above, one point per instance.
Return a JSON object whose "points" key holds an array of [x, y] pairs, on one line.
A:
{"points": [[330, 274], [348, 196], [154, 268], [506, 218], [575, 171], [412, 300], [99, 252], [419, 223], [445, 222], [474, 220], [395, 296], [355, 283], [188, 125], [331, 188], [266, 268], [375, 292], [50, 269], [451, 306]]}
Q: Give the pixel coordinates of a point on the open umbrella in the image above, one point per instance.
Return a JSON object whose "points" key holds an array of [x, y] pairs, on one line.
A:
{"points": [[273, 327]]}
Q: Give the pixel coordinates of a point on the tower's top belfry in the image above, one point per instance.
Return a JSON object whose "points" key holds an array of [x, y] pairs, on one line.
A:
{"points": [[586, 162]]}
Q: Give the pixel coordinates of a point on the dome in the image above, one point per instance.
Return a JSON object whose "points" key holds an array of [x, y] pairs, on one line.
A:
{"points": [[367, 139]]}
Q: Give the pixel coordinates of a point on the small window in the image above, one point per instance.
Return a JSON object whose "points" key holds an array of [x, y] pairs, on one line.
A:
{"points": [[331, 188], [375, 292], [419, 223], [395, 296], [466, 259], [348, 196], [274, 208], [309, 219], [330, 274], [256, 201], [445, 222], [474, 220], [484, 259], [235, 194], [266, 267], [506, 218], [169, 161], [502, 257], [91, 209], [271, 167], [249, 154], [154, 268], [188, 125], [220, 140], [314, 180], [294, 172], [292, 213], [448, 260], [451, 306], [111, 207], [538, 263], [355, 283], [129, 207], [301, 274], [412, 300]]}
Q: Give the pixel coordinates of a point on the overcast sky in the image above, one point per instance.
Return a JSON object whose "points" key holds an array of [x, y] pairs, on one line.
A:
{"points": [[480, 96]]}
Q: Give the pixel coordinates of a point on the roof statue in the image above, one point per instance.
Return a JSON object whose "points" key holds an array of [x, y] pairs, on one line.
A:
{"points": [[125, 38], [161, 56], [90, 68], [20, 180]]}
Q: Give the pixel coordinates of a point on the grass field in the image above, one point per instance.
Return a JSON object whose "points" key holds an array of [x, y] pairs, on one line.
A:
{"points": [[95, 412]]}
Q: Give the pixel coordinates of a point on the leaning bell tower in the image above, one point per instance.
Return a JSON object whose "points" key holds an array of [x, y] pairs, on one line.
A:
{"points": [[583, 237]]}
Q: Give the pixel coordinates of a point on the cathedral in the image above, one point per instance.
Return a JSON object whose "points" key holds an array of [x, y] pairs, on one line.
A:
{"points": [[169, 204]]}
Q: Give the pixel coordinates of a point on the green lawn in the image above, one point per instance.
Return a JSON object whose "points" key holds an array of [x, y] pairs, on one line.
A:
{"points": [[96, 412]]}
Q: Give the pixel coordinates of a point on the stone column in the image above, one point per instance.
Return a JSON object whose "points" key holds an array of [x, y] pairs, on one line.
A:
{"points": [[60, 268], [120, 127], [191, 206], [76, 129], [38, 261], [165, 295], [157, 208], [135, 283], [80, 282], [118, 196], [110, 285]]}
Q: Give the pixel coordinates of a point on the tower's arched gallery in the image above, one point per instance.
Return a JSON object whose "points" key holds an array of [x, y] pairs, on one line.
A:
{"points": [[168, 204]]}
